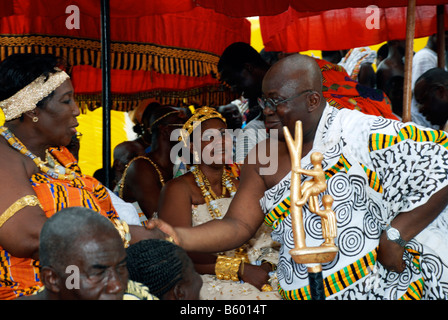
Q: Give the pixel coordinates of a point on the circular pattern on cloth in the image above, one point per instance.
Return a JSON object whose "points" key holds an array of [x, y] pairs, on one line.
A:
{"points": [[339, 188], [313, 226], [351, 241], [371, 228], [380, 123], [359, 191], [343, 212]]}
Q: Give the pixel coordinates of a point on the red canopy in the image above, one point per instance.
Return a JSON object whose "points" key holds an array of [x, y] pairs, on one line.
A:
{"points": [[169, 49], [171, 57], [294, 31], [248, 8]]}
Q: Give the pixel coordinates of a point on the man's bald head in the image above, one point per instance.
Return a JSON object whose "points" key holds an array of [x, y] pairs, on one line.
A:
{"points": [[61, 233], [294, 85], [298, 71]]}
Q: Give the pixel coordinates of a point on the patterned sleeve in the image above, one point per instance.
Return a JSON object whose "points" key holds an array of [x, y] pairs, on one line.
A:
{"points": [[411, 163]]}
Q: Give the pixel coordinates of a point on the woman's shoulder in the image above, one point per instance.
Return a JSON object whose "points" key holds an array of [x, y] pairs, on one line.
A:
{"points": [[185, 180], [12, 161]]}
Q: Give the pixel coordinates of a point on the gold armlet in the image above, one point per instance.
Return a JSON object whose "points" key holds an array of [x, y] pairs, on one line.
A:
{"points": [[123, 229], [226, 268], [29, 200]]}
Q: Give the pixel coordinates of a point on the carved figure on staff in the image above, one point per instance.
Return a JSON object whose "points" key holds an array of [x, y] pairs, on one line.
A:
{"points": [[312, 188], [328, 220]]}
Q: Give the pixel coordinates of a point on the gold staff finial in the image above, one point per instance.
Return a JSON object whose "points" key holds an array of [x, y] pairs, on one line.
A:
{"points": [[309, 193]]}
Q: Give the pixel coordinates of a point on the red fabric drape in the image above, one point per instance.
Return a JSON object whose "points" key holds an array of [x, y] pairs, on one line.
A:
{"points": [[200, 29], [129, 87], [294, 31], [118, 8], [247, 8], [173, 54]]}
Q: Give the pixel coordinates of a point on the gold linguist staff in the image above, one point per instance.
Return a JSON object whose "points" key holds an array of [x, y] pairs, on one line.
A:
{"points": [[313, 257]]}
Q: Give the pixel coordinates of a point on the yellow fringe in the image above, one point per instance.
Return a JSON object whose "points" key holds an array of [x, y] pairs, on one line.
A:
{"points": [[206, 96], [125, 56]]}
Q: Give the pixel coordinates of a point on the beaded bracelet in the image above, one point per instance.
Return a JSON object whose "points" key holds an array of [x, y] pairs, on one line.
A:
{"points": [[226, 268]]}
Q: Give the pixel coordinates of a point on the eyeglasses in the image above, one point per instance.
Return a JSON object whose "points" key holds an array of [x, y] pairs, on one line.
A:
{"points": [[273, 103]]}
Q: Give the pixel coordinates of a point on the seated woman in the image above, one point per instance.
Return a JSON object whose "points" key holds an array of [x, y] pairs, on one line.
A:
{"points": [[145, 175], [128, 150], [37, 100], [204, 193]]}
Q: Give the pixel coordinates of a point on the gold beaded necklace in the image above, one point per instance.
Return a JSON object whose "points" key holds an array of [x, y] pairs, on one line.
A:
{"points": [[55, 172], [207, 192], [123, 177]]}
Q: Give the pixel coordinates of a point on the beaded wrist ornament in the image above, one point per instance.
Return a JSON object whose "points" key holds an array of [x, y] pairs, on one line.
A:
{"points": [[226, 268]]}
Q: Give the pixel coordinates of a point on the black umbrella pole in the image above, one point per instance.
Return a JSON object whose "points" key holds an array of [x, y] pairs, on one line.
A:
{"points": [[106, 99], [316, 280]]}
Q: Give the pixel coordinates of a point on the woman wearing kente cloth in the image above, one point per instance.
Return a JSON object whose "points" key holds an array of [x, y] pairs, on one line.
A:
{"points": [[37, 100], [203, 194]]}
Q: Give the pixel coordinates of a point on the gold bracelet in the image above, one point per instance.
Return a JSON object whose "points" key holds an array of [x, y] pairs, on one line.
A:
{"points": [[123, 229], [226, 268], [29, 200]]}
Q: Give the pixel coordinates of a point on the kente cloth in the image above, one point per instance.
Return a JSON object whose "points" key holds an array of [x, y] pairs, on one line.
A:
{"points": [[21, 276], [342, 92], [259, 248], [375, 169]]}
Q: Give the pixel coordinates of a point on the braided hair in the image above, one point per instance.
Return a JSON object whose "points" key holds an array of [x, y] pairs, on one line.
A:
{"points": [[158, 264]]}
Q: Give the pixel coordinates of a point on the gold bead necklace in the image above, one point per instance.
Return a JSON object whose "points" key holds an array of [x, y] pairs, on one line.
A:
{"points": [[55, 172], [207, 192]]}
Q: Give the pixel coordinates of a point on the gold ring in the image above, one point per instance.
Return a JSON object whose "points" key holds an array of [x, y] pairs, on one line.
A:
{"points": [[170, 239], [266, 287]]}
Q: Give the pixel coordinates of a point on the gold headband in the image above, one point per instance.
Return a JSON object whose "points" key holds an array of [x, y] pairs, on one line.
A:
{"points": [[27, 98], [195, 120], [160, 118]]}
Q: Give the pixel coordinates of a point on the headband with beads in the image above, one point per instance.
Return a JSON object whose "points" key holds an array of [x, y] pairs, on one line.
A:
{"points": [[27, 98], [200, 115], [160, 118]]}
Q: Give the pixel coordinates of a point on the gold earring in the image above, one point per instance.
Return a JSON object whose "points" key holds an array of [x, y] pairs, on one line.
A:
{"points": [[35, 119], [196, 156]]}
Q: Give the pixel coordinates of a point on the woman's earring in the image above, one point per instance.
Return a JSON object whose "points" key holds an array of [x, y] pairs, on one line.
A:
{"points": [[35, 119], [196, 156]]}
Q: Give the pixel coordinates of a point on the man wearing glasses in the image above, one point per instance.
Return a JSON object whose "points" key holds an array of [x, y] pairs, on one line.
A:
{"points": [[388, 180]]}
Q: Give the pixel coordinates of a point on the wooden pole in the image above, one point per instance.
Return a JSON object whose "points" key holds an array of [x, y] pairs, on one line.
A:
{"points": [[410, 32], [441, 36]]}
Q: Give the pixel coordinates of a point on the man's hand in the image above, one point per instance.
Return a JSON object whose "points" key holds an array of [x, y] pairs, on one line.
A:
{"points": [[168, 230], [139, 233], [390, 255], [258, 276]]}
